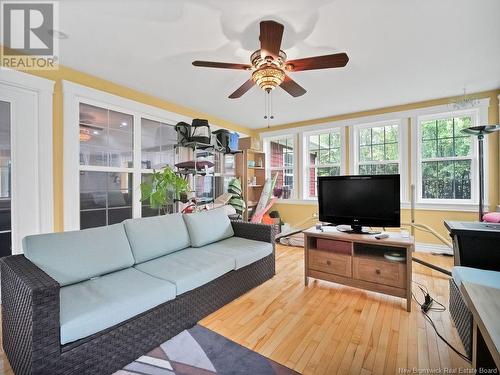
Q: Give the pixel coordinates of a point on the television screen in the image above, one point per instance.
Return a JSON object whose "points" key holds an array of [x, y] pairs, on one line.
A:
{"points": [[372, 200]]}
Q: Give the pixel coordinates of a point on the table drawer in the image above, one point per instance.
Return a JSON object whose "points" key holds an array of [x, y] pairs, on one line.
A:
{"points": [[380, 272], [340, 247], [326, 261]]}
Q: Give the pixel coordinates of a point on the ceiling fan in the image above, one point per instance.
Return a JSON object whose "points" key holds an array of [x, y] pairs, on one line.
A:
{"points": [[269, 64]]}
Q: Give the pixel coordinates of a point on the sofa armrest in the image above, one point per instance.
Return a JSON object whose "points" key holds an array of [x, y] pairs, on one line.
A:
{"points": [[30, 314], [252, 231]]}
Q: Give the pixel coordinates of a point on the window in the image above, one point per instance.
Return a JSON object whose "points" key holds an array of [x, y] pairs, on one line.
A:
{"points": [[323, 158], [106, 162], [446, 157], [378, 149], [281, 156]]}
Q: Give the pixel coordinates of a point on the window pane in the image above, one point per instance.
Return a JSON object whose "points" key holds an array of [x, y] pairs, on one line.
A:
{"points": [[106, 137], [391, 151], [445, 128], [157, 144], [381, 144], [282, 153], [314, 142], [377, 135], [378, 152], [446, 179], [429, 130], [101, 193], [462, 146], [365, 136], [445, 147], [284, 183], [324, 141], [429, 149]]}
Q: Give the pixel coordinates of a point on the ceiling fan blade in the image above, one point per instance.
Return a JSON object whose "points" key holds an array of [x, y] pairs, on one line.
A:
{"points": [[292, 87], [271, 33], [337, 60], [222, 65], [242, 89]]}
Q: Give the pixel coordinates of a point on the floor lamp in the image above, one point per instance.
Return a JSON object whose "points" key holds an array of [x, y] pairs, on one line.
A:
{"points": [[480, 132]]}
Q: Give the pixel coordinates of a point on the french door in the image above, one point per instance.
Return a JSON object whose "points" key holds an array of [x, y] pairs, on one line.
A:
{"points": [[5, 179], [26, 193]]}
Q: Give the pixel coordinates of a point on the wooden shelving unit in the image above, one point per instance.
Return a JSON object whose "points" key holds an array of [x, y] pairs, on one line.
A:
{"points": [[251, 191]]}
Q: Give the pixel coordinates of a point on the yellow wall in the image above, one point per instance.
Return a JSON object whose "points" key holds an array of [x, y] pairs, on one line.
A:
{"points": [[64, 73], [296, 213]]}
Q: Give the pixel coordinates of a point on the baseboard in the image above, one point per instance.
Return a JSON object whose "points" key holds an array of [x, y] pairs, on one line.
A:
{"points": [[432, 248]]}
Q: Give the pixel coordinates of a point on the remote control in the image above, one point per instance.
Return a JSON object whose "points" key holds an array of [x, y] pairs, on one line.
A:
{"points": [[381, 236]]}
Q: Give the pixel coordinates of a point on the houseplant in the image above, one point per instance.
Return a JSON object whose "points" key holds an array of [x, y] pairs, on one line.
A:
{"points": [[164, 189]]}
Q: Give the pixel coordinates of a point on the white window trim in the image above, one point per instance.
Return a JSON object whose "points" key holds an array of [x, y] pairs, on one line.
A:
{"points": [[73, 95], [480, 114], [35, 151], [296, 145], [305, 163], [402, 124]]}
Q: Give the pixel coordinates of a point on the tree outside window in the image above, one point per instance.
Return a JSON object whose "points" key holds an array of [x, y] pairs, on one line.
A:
{"points": [[378, 150]]}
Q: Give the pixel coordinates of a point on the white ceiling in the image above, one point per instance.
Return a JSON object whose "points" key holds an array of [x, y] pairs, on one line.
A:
{"points": [[400, 51]]}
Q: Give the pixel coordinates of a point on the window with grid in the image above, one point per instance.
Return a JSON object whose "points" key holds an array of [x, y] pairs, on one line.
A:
{"points": [[378, 149], [281, 162], [323, 158], [446, 158], [106, 154]]}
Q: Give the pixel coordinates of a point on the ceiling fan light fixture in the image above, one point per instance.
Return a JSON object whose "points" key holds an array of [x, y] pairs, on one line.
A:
{"points": [[268, 78]]}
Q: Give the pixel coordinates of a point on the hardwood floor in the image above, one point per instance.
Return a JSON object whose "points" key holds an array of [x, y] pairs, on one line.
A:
{"points": [[327, 328]]}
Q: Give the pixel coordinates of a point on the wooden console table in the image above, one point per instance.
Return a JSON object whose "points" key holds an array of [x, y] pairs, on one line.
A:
{"points": [[358, 260]]}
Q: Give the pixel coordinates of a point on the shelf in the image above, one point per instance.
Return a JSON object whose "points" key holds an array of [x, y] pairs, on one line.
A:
{"points": [[258, 168], [251, 204], [255, 186]]}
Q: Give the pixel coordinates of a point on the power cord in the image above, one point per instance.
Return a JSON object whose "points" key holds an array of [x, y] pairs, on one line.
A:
{"points": [[427, 306]]}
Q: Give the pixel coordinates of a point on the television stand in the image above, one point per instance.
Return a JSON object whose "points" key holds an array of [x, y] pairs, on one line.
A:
{"points": [[358, 260]]}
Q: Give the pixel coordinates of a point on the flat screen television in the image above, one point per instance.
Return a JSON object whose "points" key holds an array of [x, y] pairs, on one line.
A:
{"points": [[369, 200]]}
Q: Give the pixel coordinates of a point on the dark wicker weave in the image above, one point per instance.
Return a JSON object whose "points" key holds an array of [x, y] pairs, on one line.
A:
{"points": [[30, 311], [461, 316]]}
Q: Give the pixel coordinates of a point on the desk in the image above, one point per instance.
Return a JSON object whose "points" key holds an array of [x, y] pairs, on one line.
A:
{"points": [[484, 303]]}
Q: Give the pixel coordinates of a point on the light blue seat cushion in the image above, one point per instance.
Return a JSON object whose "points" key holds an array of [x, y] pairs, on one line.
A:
{"points": [[208, 226], [476, 276], [97, 304], [71, 257], [243, 250], [153, 237], [188, 268]]}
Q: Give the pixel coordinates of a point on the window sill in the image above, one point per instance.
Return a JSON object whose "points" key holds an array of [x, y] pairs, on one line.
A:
{"points": [[444, 206]]}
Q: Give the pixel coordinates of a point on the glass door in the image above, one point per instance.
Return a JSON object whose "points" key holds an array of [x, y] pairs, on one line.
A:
{"points": [[5, 179]]}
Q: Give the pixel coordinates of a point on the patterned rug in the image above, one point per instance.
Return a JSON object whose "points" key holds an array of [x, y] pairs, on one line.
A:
{"points": [[200, 351]]}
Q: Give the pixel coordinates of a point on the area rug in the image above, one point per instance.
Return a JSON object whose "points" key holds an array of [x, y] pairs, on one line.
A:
{"points": [[200, 351]]}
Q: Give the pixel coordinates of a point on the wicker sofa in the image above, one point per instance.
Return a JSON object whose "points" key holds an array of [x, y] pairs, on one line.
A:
{"points": [[55, 320]]}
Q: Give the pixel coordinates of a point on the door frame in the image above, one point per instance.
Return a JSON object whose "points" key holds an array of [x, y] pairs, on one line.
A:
{"points": [[33, 152]]}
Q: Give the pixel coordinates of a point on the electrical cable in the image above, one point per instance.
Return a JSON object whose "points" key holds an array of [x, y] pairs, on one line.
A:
{"points": [[426, 306]]}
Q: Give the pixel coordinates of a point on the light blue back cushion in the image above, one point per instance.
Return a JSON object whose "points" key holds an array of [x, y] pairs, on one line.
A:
{"points": [[208, 226], [155, 236], [71, 257]]}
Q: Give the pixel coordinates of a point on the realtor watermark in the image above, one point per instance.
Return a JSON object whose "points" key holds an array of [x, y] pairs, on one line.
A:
{"points": [[27, 35], [446, 370]]}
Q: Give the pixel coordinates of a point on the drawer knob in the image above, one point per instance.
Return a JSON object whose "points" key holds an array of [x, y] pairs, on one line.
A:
{"points": [[329, 262], [377, 271]]}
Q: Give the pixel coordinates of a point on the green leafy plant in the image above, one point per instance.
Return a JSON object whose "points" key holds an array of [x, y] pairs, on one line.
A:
{"points": [[164, 189]]}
